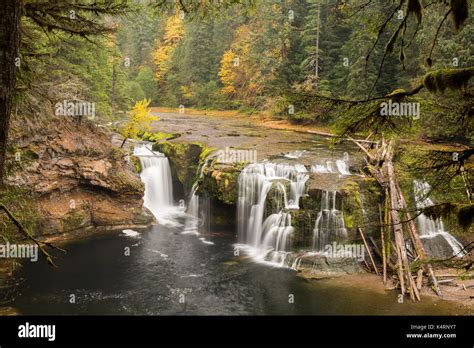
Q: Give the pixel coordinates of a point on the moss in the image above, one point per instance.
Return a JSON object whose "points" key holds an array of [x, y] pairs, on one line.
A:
{"points": [[185, 160], [397, 94], [275, 200], [221, 183], [74, 220], [21, 203], [205, 152], [135, 161], [159, 136], [352, 204], [303, 225], [116, 154], [453, 79], [27, 156], [126, 183]]}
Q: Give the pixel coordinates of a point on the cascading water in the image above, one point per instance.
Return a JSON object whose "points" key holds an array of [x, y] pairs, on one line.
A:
{"points": [[197, 215], [329, 226], [268, 231], [328, 167], [436, 240], [192, 223], [342, 167], [156, 175]]}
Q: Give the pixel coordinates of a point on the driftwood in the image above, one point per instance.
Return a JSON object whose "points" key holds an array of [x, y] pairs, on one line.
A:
{"points": [[380, 166], [398, 227], [380, 254], [368, 251], [382, 239], [420, 250]]}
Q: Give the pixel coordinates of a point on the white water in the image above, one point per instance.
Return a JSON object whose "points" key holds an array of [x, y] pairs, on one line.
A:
{"points": [[193, 218], [295, 154], [329, 225], [436, 240], [192, 222], [131, 233], [268, 233], [156, 175], [341, 167]]}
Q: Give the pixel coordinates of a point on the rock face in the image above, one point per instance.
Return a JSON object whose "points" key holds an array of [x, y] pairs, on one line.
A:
{"points": [[77, 178], [221, 181], [185, 159]]}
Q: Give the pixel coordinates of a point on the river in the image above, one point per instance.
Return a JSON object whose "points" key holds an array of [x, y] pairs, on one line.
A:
{"points": [[163, 271], [164, 265]]}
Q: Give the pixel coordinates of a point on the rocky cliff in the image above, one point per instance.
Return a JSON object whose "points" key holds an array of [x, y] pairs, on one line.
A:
{"points": [[67, 176]]}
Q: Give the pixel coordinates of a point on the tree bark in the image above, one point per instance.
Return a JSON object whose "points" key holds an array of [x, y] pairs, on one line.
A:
{"points": [[398, 229], [10, 14]]}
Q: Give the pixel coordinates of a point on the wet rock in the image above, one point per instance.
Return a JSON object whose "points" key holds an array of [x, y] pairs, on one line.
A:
{"points": [[319, 266]]}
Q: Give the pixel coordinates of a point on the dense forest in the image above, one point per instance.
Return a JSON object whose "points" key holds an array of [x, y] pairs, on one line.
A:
{"points": [[392, 79]]}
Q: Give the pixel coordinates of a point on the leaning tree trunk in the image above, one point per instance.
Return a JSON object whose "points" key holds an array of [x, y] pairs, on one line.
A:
{"points": [[10, 14], [403, 262]]}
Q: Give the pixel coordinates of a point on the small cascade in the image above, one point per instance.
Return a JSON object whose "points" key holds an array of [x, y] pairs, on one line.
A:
{"points": [[340, 167], [295, 154], [197, 220], [192, 222], [193, 206], [436, 240], [264, 225], [156, 175], [329, 226]]}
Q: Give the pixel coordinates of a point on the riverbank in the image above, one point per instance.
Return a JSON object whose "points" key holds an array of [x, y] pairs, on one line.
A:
{"points": [[461, 302]]}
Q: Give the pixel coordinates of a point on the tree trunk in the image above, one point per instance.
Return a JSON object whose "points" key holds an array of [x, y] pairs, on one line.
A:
{"points": [[10, 14], [398, 230]]}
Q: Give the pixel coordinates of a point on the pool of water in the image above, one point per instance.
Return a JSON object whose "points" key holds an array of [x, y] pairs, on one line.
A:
{"points": [[170, 273]]}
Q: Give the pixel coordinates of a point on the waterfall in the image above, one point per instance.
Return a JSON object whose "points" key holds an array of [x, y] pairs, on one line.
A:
{"points": [[156, 175], [193, 206], [436, 240], [198, 218], [268, 231], [192, 222], [329, 226]]}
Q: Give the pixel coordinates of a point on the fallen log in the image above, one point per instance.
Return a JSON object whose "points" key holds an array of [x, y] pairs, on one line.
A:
{"points": [[368, 251]]}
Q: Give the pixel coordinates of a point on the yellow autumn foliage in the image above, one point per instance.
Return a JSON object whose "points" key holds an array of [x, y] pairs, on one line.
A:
{"points": [[139, 120], [164, 48]]}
